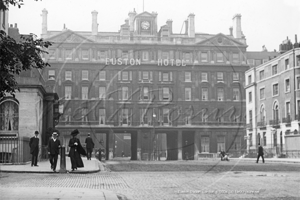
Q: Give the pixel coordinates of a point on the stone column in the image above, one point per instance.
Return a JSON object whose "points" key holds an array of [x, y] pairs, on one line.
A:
{"points": [[179, 145], [139, 145], [111, 144]]}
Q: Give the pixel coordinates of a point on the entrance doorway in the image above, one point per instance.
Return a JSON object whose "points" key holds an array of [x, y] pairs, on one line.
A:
{"points": [[188, 145], [122, 148]]}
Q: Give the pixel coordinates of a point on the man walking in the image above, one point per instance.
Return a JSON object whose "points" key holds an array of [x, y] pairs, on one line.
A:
{"points": [[89, 146], [260, 153], [34, 148], [53, 150]]}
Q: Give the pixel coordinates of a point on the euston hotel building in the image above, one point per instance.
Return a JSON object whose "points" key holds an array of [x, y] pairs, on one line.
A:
{"points": [[149, 93]]}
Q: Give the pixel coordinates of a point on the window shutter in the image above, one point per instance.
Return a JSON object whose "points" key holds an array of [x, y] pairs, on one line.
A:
{"points": [[140, 75], [151, 75], [119, 75], [171, 76], [159, 76], [130, 75]]}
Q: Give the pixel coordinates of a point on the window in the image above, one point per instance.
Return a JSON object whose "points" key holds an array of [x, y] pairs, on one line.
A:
{"points": [[188, 76], [220, 94], [261, 74], [68, 115], [146, 95], [236, 94], [102, 92], [145, 75], [237, 143], [124, 54], [204, 116], [287, 64], [68, 92], [165, 55], [84, 93], [51, 75], [249, 79], [204, 57], [204, 94], [219, 57], [166, 115], [287, 109], [125, 116], [102, 76], [101, 116], [9, 112], [221, 143], [276, 112], [166, 76], [145, 117], [68, 54], [298, 82], [166, 93], [262, 93], [235, 57], [205, 144], [204, 77], [85, 75], [250, 62], [145, 56], [124, 93], [188, 94], [287, 85], [188, 116], [262, 115], [250, 97], [235, 76], [250, 117], [125, 75], [275, 89], [84, 115], [187, 57], [274, 69], [85, 54], [220, 76], [298, 60], [102, 55], [68, 75]]}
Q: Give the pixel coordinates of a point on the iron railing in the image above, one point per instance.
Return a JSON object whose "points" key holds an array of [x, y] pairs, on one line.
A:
{"points": [[14, 149], [292, 153]]}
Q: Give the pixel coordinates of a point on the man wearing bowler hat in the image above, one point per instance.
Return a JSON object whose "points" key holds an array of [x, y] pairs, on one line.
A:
{"points": [[53, 150], [34, 148], [89, 146]]}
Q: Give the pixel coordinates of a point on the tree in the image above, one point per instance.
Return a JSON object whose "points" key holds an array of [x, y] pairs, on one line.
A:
{"points": [[18, 56]]}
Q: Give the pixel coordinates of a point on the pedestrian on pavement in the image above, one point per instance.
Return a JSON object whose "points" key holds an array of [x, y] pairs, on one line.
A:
{"points": [[89, 146], [260, 153], [34, 148], [53, 150], [75, 150]]}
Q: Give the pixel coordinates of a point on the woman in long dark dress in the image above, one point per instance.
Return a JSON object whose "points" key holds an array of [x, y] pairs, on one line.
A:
{"points": [[75, 151]]}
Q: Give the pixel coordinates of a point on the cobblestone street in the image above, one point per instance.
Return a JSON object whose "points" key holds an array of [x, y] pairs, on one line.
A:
{"points": [[172, 185]]}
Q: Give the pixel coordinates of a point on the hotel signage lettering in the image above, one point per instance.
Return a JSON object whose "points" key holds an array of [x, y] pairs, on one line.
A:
{"points": [[131, 61]]}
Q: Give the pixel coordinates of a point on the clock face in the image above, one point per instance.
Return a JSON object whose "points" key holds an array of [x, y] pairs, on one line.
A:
{"points": [[145, 25]]}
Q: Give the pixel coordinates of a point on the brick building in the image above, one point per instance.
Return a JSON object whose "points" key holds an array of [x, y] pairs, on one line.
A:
{"points": [[273, 100], [147, 92]]}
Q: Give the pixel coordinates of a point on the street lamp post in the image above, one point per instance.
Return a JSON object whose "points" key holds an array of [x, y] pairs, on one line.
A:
{"points": [[154, 149]]}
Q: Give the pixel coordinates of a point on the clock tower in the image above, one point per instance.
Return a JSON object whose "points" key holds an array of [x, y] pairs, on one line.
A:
{"points": [[146, 24]]}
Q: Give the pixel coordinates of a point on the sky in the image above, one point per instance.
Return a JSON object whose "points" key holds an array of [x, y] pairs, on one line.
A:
{"points": [[264, 22]]}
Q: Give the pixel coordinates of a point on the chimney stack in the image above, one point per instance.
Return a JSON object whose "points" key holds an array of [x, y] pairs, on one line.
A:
{"points": [[94, 23], [191, 26], [237, 27], [186, 26], [230, 31], [44, 22], [131, 19], [169, 23]]}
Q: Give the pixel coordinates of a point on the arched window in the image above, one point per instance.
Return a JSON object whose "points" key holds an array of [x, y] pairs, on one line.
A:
{"points": [[9, 115]]}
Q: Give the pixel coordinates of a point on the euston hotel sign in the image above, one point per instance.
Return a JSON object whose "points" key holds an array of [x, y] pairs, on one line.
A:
{"points": [[160, 62]]}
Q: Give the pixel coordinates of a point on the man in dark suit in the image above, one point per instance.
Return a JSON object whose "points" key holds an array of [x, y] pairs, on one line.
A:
{"points": [[89, 146], [34, 148], [260, 153], [53, 150]]}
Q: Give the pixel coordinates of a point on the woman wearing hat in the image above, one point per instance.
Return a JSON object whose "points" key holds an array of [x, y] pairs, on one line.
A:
{"points": [[75, 151]]}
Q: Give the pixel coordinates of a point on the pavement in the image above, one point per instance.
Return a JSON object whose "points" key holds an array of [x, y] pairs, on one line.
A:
{"points": [[270, 160]]}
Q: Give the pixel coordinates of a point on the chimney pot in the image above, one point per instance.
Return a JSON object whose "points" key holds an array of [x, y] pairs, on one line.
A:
{"points": [[16, 25]]}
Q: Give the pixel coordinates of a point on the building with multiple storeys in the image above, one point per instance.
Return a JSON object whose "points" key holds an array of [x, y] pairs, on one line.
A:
{"points": [[30, 109], [149, 93], [273, 104]]}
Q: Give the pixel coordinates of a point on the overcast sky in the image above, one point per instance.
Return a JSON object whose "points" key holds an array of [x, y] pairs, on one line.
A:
{"points": [[264, 22]]}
